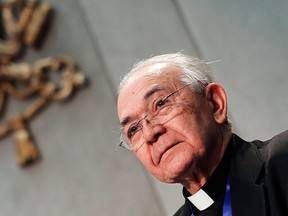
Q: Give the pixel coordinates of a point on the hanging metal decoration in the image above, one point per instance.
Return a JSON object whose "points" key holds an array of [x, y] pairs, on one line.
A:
{"points": [[25, 81]]}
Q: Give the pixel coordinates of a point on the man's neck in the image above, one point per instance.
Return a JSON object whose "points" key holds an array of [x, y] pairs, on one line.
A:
{"points": [[201, 172]]}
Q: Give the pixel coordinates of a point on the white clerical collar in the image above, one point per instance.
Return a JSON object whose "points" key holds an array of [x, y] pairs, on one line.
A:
{"points": [[201, 200]]}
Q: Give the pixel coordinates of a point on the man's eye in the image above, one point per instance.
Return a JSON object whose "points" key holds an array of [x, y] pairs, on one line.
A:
{"points": [[133, 130], [161, 103]]}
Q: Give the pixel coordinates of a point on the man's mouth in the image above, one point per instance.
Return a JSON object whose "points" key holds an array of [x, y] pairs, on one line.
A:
{"points": [[164, 151]]}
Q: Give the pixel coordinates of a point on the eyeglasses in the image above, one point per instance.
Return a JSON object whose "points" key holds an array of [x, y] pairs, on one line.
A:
{"points": [[133, 138]]}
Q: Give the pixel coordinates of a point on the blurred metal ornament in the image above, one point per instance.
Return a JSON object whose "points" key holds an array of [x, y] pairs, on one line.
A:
{"points": [[23, 29], [25, 81]]}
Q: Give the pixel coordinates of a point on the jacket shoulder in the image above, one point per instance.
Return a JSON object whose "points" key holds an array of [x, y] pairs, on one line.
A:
{"points": [[272, 148], [179, 211], [184, 210]]}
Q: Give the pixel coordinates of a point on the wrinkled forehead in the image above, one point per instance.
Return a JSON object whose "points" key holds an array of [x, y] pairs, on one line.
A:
{"points": [[143, 81], [154, 71]]}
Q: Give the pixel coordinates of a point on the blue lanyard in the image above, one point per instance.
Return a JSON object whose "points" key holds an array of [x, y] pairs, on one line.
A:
{"points": [[227, 208]]}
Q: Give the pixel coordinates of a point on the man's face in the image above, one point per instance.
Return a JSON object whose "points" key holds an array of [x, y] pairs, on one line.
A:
{"points": [[172, 149]]}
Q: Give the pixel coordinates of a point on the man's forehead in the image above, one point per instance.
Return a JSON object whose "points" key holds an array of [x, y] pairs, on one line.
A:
{"points": [[144, 88], [135, 104], [143, 84], [156, 67], [132, 101], [139, 92]]}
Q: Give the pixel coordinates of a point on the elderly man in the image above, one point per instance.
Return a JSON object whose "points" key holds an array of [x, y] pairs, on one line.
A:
{"points": [[174, 118]]}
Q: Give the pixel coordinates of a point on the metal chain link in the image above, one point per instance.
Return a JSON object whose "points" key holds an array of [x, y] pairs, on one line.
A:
{"points": [[23, 80]]}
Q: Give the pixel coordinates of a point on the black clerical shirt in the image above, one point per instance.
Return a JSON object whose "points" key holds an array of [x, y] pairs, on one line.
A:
{"points": [[215, 187]]}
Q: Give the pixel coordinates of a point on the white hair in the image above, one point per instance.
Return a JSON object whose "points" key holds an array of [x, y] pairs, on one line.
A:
{"points": [[192, 70]]}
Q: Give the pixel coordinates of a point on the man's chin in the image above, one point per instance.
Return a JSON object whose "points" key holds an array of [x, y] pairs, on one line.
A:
{"points": [[173, 175], [173, 168]]}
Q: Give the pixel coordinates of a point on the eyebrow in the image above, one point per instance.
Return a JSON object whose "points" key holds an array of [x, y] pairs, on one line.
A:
{"points": [[125, 121], [153, 91], [148, 94]]}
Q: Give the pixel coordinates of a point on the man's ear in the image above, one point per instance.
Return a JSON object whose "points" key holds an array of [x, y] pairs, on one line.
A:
{"points": [[216, 96]]}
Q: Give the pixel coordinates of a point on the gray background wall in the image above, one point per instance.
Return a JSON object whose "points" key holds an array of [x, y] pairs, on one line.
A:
{"points": [[80, 173]]}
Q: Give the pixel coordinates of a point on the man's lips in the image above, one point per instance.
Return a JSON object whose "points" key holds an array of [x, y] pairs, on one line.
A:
{"points": [[157, 158]]}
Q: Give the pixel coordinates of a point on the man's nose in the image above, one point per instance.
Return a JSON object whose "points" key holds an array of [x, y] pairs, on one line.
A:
{"points": [[151, 132]]}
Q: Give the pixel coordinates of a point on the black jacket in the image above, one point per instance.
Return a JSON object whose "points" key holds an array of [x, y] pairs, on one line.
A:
{"points": [[258, 178]]}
